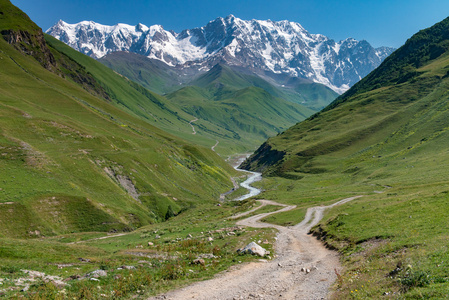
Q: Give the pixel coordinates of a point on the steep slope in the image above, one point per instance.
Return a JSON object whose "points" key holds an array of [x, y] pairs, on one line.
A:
{"points": [[261, 46], [150, 73], [74, 162], [385, 139]]}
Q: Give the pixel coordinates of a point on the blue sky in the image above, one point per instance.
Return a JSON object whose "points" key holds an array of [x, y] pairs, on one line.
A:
{"points": [[380, 22]]}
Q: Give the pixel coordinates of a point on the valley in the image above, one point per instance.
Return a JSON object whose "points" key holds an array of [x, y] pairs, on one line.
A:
{"points": [[119, 176]]}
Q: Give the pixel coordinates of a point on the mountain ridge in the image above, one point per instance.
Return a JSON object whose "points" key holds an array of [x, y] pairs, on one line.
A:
{"points": [[281, 47]]}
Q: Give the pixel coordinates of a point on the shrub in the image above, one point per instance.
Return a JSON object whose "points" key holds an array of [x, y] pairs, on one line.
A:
{"points": [[414, 278]]}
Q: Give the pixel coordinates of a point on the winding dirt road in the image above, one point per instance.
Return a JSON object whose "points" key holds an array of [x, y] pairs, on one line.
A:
{"points": [[282, 277], [193, 128]]}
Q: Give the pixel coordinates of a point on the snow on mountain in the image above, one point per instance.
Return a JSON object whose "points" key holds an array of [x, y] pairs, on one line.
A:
{"points": [[279, 47]]}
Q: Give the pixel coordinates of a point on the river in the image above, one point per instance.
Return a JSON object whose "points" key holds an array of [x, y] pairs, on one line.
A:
{"points": [[253, 177], [252, 191]]}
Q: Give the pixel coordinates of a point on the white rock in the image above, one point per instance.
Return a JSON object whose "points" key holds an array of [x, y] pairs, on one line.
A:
{"points": [[253, 248], [97, 273]]}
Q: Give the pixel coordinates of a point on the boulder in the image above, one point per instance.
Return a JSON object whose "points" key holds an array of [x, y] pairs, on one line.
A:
{"points": [[199, 261], [97, 273], [254, 249]]}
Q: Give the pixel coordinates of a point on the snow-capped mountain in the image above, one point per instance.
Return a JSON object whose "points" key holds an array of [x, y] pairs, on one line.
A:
{"points": [[279, 47]]}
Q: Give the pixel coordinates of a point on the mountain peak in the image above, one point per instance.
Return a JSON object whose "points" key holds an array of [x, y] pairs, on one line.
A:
{"points": [[141, 27], [281, 47]]}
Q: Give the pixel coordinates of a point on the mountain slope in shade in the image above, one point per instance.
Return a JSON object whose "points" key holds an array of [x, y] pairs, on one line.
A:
{"points": [[261, 46], [163, 79], [150, 73]]}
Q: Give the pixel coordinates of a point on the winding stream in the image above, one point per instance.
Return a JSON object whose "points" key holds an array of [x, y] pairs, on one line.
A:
{"points": [[253, 177], [252, 191]]}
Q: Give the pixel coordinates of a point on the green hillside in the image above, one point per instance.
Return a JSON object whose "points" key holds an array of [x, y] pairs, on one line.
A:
{"points": [[129, 96], [249, 114], [310, 94], [162, 79], [386, 139], [73, 162], [171, 117], [152, 74]]}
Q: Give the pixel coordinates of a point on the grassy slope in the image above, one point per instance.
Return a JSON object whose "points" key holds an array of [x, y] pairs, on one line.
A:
{"points": [[312, 95], [246, 113], [57, 140], [150, 107], [388, 135], [154, 75], [249, 115]]}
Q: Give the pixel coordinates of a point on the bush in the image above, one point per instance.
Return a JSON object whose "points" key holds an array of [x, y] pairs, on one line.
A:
{"points": [[413, 279]]}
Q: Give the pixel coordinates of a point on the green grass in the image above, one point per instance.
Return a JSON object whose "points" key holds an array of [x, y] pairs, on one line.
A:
{"points": [[162, 266], [13, 19], [246, 116], [246, 109], [288, 218]]}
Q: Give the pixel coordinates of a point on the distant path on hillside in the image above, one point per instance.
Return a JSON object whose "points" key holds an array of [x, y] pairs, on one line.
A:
{"points": [[193, 128], [216, 144], [100, 238], [282, 277]]}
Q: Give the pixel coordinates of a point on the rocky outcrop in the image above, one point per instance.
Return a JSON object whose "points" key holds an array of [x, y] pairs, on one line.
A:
{"points": [[33, 44]]}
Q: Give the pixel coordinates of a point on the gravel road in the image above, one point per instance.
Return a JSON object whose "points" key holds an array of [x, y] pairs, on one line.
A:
{"points": [[284, 276]]}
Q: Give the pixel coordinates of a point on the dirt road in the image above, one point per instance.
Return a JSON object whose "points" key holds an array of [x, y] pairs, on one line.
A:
{"points": [[193, 128], [282, 277]]}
